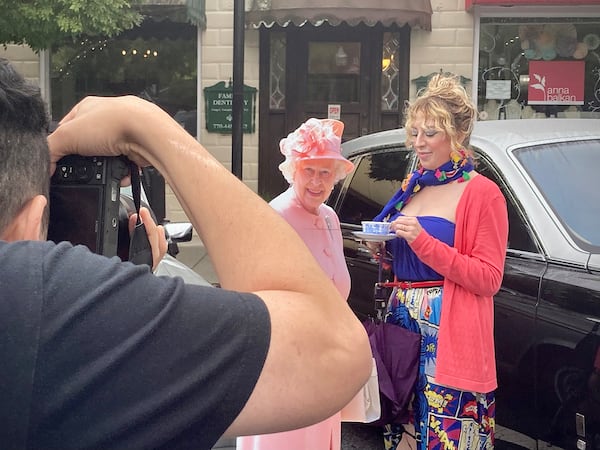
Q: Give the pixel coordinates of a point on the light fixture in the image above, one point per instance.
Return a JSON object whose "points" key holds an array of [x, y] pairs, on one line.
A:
{"points": [[385, 63], [341, 57]]}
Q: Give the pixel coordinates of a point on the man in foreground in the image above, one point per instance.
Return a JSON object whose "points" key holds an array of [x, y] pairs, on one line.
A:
{"points": [[102, 354]]}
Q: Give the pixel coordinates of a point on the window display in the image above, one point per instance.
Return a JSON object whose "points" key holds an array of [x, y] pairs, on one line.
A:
{"points": [[538, 67]]}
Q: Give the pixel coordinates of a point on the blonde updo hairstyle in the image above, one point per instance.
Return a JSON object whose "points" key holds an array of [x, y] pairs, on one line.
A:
{"points": [[445, 102]]}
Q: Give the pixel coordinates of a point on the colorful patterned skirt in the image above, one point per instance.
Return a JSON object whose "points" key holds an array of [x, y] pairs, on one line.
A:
{"points": [[443, 417]]}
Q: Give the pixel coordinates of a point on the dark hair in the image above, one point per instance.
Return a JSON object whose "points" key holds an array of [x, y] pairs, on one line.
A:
{"points": [[24, 155]]}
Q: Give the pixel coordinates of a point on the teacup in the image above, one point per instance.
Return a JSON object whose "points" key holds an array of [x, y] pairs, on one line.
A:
{"points": [[372, 227]]}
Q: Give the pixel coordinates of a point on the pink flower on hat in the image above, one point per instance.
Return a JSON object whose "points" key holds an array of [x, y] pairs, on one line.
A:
{"points": [[315, 138]]}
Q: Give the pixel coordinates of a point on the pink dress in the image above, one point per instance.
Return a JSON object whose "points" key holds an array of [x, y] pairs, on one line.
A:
{"points": [[323, 237]]}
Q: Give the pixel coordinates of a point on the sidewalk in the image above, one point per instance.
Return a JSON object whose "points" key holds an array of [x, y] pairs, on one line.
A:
{"points": [[194, 255]]}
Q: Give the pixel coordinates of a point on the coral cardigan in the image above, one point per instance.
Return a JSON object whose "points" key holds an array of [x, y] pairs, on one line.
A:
{"points": [[472, 271]]}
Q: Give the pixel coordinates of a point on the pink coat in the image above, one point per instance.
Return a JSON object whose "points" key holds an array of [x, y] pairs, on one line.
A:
{"points": [[473, 271], [323, 237]]}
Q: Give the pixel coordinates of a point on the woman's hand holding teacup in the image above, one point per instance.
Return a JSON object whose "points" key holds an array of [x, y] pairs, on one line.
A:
{"points": [[406, 227]]}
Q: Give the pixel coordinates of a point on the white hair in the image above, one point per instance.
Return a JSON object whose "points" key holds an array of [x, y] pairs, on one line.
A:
{"points": [[288, 169]]}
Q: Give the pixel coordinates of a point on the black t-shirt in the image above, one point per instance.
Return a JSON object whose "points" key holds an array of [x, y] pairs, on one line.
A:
{"points": [[96, 353]]}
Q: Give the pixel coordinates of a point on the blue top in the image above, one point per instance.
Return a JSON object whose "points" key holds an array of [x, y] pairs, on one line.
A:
{"points": [[406, 265]]}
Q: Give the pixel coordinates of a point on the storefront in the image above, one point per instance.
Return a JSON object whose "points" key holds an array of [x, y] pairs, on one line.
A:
{"points": [[342, 59], [536, 59]]}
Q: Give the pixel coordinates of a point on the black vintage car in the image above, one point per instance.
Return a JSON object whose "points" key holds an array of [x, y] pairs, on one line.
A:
{"points": [[547, 312]]}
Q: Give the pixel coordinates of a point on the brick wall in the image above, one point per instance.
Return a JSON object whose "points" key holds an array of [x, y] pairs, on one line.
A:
{"points": [[217, 65], [25, 60], [449, 46]]}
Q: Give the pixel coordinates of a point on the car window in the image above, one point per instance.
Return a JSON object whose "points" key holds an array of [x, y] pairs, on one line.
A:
{"points": [[566, 175], [376, 179], [519, 236]]}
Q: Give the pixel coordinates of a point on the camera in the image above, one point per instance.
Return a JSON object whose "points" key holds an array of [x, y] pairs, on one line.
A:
{"points": [[85, 201]]}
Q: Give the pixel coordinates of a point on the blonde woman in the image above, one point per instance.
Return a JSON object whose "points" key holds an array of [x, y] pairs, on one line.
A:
{"points": [[448, 260]]}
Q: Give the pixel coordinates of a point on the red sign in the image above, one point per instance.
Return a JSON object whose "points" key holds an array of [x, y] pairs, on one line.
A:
{"points": [[556, 82]]}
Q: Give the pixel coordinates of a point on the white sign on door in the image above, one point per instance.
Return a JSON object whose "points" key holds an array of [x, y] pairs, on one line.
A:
{"points": [[334, 111]]}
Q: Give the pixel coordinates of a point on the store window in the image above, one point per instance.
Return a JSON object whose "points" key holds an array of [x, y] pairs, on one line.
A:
{"points": [[538, 67], [156, 61]]}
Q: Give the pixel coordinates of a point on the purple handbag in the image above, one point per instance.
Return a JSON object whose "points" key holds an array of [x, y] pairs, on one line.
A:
{"points": [[396, 351]]}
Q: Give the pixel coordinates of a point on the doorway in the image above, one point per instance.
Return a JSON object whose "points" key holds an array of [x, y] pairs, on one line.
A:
{"points": [[326, 71]]}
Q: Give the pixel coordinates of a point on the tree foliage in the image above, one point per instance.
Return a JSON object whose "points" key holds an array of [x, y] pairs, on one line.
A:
{"points": [[42, 23]]}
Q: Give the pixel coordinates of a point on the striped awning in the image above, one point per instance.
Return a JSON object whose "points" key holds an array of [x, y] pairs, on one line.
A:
{"points": [[415, 13]]}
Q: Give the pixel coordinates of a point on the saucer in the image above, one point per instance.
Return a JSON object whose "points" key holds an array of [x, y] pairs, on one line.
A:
{"points": [[374, 237]]}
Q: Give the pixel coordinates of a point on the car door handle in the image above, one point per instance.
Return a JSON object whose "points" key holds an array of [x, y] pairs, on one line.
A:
{"points": [[509, 291]]}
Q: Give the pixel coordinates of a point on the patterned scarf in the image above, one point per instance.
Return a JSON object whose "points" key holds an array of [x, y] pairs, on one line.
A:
{"points": [[457, 168]]}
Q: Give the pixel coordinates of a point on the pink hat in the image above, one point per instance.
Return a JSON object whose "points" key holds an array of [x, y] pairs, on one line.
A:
{"points": [[316, 139]]}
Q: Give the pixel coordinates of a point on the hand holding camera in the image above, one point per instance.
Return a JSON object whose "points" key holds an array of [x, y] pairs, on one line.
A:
{"points": [[85, 209]]}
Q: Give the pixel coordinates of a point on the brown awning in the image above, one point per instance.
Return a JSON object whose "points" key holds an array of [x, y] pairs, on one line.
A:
{"points": [[416, 13]]}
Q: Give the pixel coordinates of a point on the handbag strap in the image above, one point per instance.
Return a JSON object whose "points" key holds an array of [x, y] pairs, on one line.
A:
{"points": [[140, 251]]}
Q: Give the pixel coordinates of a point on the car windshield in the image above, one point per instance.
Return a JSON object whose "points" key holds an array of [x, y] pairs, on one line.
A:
{"points": [[565, 173]]}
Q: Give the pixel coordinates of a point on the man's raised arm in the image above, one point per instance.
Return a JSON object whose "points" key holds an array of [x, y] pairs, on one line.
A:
{"points": [[319, 354]]}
